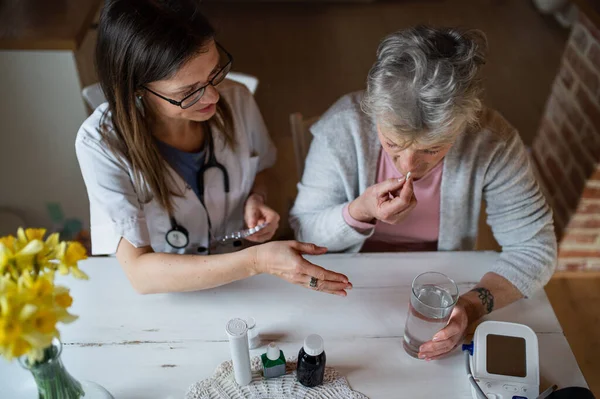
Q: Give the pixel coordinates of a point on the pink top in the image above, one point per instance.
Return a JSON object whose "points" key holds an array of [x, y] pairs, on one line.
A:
{"points": [[420, 229]]}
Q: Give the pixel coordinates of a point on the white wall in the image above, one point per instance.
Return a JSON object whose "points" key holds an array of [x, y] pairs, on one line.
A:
{"points": [[41, 110]]}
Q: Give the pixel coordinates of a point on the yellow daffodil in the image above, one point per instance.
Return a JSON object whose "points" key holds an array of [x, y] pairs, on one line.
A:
{"points": [[34, 234], [38, 291], [8, 241], [68, 255], [62, 297], [10, 328], [52, 243], [20, 255], [7, 248], [62, 301], [26, 326], [21, 347], [31, 305], [46, 258], [12, 342], [44, 321]]}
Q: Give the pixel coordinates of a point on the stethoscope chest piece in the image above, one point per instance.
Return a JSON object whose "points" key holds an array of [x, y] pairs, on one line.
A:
{"points": [[178, 237]]}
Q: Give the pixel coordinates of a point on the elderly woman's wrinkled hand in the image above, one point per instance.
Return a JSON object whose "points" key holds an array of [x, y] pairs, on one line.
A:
{"points": [[450, 336], [389, 201]]}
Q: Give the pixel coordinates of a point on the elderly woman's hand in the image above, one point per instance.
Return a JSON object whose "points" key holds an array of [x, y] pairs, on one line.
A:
{"points": [[389, 201], [450, 336]]}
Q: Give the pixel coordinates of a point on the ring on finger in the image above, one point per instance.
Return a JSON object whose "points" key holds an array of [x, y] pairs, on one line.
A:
{"points": [[313, 282]]}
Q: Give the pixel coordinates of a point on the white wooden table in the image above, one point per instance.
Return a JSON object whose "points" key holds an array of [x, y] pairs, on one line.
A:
{"points": [[156, 346]]}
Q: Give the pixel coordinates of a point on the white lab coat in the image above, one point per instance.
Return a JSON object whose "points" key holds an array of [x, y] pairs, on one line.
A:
{"points": [[117, 212]]}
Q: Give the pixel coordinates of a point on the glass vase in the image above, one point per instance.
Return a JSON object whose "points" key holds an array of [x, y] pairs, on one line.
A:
{"points": [[53, 381]]}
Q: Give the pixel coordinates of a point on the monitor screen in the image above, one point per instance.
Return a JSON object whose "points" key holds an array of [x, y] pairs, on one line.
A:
{"points": [[506, 355]]}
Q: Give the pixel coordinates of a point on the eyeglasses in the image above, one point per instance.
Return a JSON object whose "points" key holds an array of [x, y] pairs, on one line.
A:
{"points": [[197, 94]]}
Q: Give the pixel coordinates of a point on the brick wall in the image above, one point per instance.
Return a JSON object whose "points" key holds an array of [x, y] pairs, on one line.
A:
{"points": [[567, 150], [580, 246]]}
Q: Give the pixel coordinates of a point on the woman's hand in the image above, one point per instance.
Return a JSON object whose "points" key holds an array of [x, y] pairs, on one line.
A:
{"points": [[284, 260], [257, 213], [389, 201], [492, 292], [448, 338]]}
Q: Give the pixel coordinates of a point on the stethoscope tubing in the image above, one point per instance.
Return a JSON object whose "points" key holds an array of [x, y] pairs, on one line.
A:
{"points": [[211, 162]]}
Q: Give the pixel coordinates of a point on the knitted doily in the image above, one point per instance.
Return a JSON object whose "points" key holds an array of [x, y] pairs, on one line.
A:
{"points": [[223, 386]]}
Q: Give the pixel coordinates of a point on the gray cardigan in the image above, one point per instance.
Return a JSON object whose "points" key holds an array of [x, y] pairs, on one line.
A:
{"points": [[489, 163]]}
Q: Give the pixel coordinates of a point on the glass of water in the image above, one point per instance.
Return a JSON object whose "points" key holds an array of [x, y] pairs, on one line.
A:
{"points": [[432, 299]]}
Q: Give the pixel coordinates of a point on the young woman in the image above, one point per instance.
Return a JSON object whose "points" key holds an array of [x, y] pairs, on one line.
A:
{"points": [[176, 158]]}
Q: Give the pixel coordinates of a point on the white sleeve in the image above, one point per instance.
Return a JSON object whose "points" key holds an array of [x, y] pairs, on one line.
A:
{"points": [[261, 144], [114, 206]]}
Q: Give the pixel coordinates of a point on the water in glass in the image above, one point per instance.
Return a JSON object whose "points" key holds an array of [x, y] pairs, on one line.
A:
{"points": [[429, 310]]}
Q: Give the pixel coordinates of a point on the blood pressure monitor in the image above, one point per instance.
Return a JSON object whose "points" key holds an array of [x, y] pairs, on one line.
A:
{"points": [[504, 362]]}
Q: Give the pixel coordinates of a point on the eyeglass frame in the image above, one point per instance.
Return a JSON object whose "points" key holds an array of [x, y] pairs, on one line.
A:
{"points": [[203, 88]]}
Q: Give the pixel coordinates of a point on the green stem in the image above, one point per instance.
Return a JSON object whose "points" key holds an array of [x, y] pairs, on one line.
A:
{"points": [[52, 379]]}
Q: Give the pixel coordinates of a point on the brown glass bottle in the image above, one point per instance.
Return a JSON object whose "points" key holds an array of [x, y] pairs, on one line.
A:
{"points": [[311, 362]]}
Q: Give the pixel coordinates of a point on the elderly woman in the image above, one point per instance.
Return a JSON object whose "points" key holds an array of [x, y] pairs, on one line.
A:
{"points": [[405, 166]]}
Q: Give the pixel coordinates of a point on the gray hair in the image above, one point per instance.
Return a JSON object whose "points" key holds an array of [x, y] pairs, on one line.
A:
{"points": [[425, 81]]}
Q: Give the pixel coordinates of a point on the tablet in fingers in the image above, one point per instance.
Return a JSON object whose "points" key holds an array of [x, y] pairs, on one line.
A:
{"points": [[407, 191]]}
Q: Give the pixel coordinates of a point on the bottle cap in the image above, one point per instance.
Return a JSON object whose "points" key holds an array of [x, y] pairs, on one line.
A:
{"points": [[313, 345], [250, 322], [236, 328], [273, 351]]}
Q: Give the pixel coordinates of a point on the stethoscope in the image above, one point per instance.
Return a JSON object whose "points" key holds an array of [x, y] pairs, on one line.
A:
{"points": [[178, 237]]}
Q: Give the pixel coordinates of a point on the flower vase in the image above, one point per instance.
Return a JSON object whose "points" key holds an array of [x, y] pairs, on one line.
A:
{"points": [[53, 381]]}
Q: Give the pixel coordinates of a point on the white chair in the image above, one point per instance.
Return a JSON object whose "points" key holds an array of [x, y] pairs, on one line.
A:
{"points": [[251, 82], [301, 138], [94, 96]]}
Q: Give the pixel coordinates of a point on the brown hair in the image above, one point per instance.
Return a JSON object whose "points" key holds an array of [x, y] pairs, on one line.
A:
{"points": [[139, 42]]}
